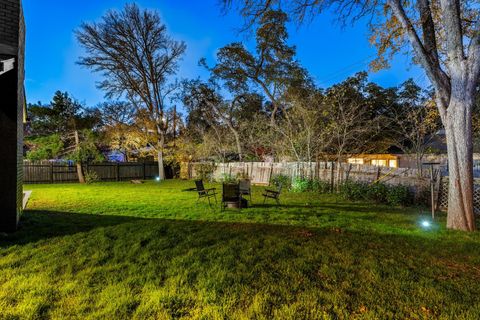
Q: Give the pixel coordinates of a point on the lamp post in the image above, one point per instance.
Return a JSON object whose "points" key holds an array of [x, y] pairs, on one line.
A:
{"points": [[432, 184]]}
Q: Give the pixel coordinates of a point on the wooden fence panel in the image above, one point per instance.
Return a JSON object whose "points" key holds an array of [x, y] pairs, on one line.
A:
{"points": [[62, 173]]}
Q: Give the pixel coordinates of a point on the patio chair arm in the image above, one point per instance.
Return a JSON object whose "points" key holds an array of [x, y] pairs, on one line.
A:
{"points": [[271, 191], [210, 189]]}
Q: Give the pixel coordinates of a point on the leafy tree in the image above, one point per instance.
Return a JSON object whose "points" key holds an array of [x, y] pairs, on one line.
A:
{"points": [[445, 40], [201, 97], [270, 67], [65, 119], [44, 147], [136, 57]]}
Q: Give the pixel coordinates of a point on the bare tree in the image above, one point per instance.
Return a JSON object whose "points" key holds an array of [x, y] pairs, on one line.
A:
{"points": [[415, 121], [445, 38], [136, 57], [350, 122]]}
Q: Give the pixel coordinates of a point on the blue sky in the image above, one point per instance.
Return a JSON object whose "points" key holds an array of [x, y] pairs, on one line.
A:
{"points": [[329, 52]]}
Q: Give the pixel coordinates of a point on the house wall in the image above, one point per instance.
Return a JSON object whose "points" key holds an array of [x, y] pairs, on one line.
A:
{"points": [[12, 45]]}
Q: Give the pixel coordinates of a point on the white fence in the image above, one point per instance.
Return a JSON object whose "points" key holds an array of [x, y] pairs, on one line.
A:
{"points": [[262, 172]]}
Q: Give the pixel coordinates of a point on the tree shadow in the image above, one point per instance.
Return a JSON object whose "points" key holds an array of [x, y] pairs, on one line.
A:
{"points": [[36, 225]]}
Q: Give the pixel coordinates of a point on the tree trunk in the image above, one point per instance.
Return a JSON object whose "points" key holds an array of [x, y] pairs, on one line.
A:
{"points": [[81, 177], [239, 145], [458, 129], [161, 169]]}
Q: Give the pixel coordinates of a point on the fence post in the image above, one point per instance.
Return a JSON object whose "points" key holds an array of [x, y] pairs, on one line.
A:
{"points": [[117, 171], [51, 172], [271, 172], [332, 176], [144, 176]]}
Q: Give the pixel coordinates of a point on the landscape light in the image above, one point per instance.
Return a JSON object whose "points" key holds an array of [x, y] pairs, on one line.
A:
{"points": [[157, 178], [426, 224]]}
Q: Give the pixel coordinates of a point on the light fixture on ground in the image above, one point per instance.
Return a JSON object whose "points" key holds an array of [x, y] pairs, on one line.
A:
{"points": [[157, 178]]}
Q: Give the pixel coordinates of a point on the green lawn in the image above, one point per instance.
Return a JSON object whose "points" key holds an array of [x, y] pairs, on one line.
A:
{"points": [[119, 251]]}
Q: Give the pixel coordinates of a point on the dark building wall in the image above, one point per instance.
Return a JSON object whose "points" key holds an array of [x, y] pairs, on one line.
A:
{"points": [[12, 45]]}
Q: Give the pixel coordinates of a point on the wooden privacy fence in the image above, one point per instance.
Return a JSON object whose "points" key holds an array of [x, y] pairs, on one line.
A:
{"points": [[262, 172], [108, 171]]}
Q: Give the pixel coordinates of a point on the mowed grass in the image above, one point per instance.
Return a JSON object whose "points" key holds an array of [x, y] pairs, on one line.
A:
{"points": [[121, 251]]}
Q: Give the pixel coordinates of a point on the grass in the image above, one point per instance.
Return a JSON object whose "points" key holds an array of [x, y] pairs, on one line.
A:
{"points": [[120, 251]]}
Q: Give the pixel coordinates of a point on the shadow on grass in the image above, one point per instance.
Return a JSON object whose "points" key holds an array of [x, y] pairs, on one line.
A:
{"points": [[40, 224]]}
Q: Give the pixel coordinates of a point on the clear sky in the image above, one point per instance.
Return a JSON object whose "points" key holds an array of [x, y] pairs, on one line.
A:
{"points": [[329, 52]]}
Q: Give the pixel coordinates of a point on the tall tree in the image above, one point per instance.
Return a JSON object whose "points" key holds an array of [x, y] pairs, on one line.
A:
{"points": [[65, 119], [137, 58], [270, 67], [445, 38], [202, 97]]}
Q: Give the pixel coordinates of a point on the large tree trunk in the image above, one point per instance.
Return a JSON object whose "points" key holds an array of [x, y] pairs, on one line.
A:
{"points": [[458, 129]]}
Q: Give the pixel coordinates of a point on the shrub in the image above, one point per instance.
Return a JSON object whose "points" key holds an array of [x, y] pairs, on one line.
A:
{"points": [[91, 177], [399, 196], [301, 185], [319, 186], [377, 192], [304, 185], [228, 178], [281, 179], [354, 191]]}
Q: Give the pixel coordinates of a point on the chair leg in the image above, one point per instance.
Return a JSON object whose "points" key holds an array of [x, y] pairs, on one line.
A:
{"points": [[264, 199], [209, 204], [215, 196]]}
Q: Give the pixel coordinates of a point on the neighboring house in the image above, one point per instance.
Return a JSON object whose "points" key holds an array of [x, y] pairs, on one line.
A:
{"points": [[384, 160], [12, 111]]}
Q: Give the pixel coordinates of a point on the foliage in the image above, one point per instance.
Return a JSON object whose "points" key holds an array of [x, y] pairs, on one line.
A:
{"points": [[61, 116], [228, 178], [377, 192], [281, 180], [123, 251], [87, 150], [399, 196], [319, 186], [300, 185], [44, 148], [205, 170], [91, 177], [144, 78]]}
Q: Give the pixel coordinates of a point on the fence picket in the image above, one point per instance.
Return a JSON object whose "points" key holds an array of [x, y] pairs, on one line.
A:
{"points": [[61, 173]]}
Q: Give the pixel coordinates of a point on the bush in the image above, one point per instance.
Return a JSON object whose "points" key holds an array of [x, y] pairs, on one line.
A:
{"points": [[301, 185], [91, 177], [354, 191], [281, 179], [319, 186], [377, 192], [228, 178], [399, 196]]}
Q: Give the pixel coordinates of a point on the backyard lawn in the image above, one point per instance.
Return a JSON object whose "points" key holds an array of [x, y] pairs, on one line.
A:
{"points": [[121, 250]]}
